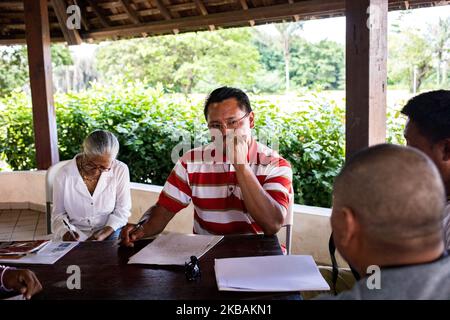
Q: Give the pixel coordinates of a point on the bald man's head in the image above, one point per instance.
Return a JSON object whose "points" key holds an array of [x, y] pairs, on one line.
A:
{"points": [[395, 193]]}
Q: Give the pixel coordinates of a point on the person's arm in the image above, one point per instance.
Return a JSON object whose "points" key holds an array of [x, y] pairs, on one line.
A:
{"points": [[175, 196], [21, 280], [60, 229], [264, 210], [267, 212], [156, 219], [122, 209]]}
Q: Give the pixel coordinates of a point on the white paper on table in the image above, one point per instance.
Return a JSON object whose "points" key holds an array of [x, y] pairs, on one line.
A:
{"points": [[18, 297], [83, 236], [269, 274], [51, 253], [174, 249]]}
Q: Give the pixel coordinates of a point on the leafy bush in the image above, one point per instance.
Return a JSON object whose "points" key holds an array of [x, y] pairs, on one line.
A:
{"points": [[150, 123]]}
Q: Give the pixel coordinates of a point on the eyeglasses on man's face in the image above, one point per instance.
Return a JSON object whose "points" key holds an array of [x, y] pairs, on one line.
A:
{"points": [[231, 124]]}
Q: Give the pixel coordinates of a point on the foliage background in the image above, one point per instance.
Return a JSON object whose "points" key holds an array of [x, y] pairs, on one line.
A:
{"points": [[149, 123]]}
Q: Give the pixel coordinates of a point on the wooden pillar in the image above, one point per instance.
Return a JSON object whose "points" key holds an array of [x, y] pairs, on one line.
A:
{"points": [[366, 73], [40, 65]]}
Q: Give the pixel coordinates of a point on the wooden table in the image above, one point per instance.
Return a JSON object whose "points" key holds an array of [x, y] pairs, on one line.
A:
{"points": [[105, 273]]}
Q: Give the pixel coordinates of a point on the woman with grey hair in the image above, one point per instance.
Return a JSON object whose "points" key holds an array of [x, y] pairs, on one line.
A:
{"points": [[91, 193]]}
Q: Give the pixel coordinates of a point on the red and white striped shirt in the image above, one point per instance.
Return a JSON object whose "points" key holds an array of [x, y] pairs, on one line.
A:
{"points": [[213, 188]]}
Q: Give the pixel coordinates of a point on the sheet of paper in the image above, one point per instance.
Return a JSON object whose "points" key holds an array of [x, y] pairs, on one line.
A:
{"points": [[269, 274], [51, 253], [83, 235], [18, 297], [21, 247], [174, 249]]}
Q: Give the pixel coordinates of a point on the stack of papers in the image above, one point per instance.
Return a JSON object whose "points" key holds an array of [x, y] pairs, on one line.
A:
{"points": [[21, 247], [49, 254], [174, 249], [269, 274]]}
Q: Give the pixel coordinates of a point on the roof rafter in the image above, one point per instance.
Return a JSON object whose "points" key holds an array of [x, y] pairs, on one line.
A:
{"points": [[132, 14], [96, 9], [245, 7], [71, 35], [165, 13], [202, 9]]}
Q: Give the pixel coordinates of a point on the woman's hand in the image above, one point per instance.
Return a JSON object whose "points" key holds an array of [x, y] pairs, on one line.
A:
{"points": [[23, 281], [101, 234], [71, 236]]}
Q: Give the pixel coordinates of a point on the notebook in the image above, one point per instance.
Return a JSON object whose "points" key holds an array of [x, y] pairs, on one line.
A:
{"points": [[21, 247], [174, 249], [48, 254], [269, 274]]}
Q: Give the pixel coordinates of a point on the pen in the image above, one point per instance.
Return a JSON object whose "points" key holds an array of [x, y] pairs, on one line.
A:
{"points": [[136, 227], [70, 230]]}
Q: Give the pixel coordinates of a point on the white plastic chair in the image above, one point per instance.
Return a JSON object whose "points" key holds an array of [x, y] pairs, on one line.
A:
{"points": [[49, 179], [289, 223]]}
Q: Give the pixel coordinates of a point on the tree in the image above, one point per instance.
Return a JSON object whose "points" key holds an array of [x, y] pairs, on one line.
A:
{"points": [[439, 37], [416, 55], [317, 65], [311, 65], [14, 65], [282, 39], [184, 63]]}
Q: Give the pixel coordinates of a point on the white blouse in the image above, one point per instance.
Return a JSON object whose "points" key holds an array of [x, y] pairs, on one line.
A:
{"points": [[447, 225], [110, 204]]}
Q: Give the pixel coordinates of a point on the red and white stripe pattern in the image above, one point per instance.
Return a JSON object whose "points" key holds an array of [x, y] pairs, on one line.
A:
{"points": [[212, 187]]}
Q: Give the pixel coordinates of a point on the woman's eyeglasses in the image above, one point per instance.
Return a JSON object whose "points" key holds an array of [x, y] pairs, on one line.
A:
{"points": [[91, 167]]}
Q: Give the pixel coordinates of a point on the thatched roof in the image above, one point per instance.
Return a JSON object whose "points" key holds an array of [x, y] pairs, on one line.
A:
{"points": [[116, 19]]}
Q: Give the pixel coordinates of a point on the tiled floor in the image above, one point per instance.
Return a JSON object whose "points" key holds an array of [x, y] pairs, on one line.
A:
{"points": [[22, 225]]}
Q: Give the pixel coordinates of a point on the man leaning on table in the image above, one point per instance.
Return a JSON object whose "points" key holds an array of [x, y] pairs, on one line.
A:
{"points": [[237, 185]]}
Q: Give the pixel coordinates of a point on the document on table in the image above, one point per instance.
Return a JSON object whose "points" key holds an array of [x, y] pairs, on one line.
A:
{"points": [[18, 297], [269, 274], [51, 253], [174, 249]]}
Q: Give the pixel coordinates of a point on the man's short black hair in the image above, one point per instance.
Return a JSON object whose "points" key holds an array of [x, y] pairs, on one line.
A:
{"points": [[430, 111], [223, 93]]}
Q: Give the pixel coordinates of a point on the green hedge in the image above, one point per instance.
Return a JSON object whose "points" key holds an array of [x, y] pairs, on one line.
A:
{"points": [[149, 122]]}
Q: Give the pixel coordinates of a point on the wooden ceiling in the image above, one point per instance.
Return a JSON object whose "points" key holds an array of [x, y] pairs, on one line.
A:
{"points": [[116, 19]]}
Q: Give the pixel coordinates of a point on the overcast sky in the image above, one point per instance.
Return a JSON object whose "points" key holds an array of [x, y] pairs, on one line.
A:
{"points": [[334, 28]]}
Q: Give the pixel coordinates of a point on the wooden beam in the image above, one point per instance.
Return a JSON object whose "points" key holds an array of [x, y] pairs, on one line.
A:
{"points": [[71, 35], [84, 19], [12, 5], [13, 40], [244, 6], [165, 13], [40, 65], [303, 8], [296, 17], [132, 14], [202, 9], [366, 73], [96, 9]]}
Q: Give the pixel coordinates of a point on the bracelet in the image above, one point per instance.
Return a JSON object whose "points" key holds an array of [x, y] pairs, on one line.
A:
{"points": [[2, 285]]}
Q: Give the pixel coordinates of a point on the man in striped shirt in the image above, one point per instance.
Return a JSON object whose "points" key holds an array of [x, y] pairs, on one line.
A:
{"points": [[237, 185]]}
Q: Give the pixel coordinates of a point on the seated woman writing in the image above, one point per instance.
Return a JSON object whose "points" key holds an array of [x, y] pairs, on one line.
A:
{"points": [[91, 193]]}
